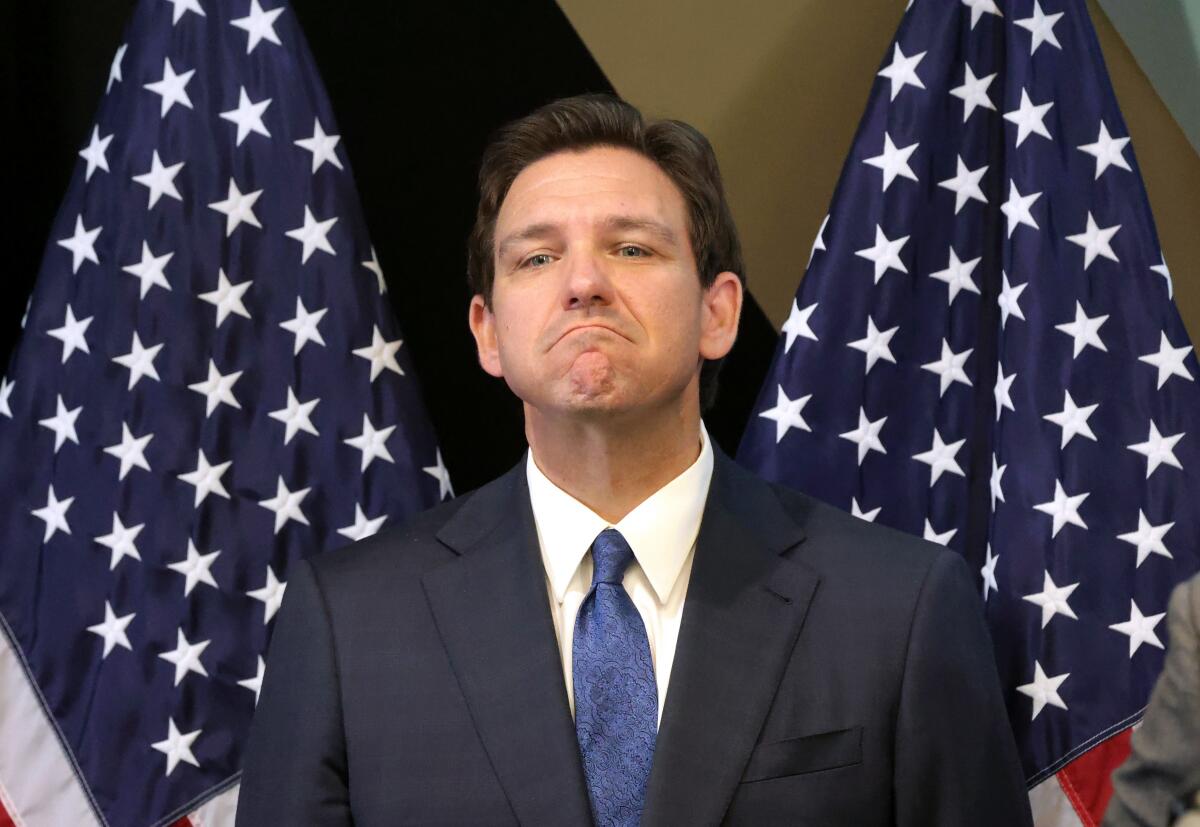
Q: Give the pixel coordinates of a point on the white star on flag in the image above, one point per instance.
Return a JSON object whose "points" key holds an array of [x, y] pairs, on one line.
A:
{"points": [[1084, 330], [121, 541], [6, 389], [248, 116], [1041, 26], [893, 161], [227, 298], [195, 568], [797, 325], [819, 241], [869, 516], [181, 7], [1095, 241], [304, 326], [149, 271], [372, 264], [884, 253], [93, 153], [131, 451], [172, 88], [973, 93], [1073, 419], [270, 595], [1148, 539], [1158, 450], [1003, 391], [1010, 301], [313, 235], [217, 389], [1164, 271], [295, 416], [1044, 690], [160, 180], [941, 539], [372, 442], [259, 25], [177, 747], [1139, 628], [114, 68], [286, 504], [381, 354], [82, 244], [957, 276], [875, 344], [994, 482], [902, 71], [139, 360], [1064, 509], [1107, 150], [255, 684], [439, 473], [362, 527], [1053, 600], [62, 423], [1168, 360], [965, 185], [950, 367], [1016, 208], [988, 573], [71, 334], [1029, 118], [979, 8], [186, 657], [940, 458], [238, 208], [112, 630], [206, 478], [323, 148], [54, 515], [866, 435], [787, 413]]}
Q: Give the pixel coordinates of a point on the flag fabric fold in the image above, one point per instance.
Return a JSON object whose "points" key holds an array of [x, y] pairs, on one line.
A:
{"points": [[210, 384], [984, 351]]}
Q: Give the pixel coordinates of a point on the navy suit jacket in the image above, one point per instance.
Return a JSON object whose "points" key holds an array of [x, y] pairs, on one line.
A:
{"points": [[828, 672]]}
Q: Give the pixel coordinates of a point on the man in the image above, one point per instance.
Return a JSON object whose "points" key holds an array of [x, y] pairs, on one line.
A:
{"points": [[626, 627], [1164, 766]]}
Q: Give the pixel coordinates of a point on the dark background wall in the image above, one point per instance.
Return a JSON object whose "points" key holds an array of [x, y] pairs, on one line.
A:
{"points": [[416, 88]]}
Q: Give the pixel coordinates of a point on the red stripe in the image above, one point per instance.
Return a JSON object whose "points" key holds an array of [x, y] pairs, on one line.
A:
{"points": [[5, 818], [183, 822], [1087, 781]]}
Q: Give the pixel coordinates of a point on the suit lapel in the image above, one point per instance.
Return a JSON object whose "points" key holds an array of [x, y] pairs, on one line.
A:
{"points": [[742, 614], [492, 612]]}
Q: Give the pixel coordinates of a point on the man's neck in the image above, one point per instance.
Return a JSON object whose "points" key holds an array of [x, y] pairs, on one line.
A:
{"points": [[613, 466]]}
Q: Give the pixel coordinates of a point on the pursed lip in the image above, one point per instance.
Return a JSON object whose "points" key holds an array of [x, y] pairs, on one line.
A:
{"points": [[589, 325]]}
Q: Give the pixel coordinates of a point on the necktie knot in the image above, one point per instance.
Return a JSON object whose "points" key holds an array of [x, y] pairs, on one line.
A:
{"points": [[611, 555]]}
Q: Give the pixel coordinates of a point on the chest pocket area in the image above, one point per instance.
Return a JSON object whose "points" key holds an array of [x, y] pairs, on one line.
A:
{"points": [[805, 754]]}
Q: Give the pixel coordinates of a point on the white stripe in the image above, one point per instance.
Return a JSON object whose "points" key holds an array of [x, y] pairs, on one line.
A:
{"points": [[218, 811], [38, 784], [1051, 807]]}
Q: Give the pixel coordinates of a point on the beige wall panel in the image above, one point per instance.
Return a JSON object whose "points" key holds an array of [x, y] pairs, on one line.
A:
{"points": [[779, 87]]}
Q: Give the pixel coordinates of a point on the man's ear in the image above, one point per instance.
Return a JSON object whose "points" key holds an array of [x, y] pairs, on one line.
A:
{"points": [[722, 309], [483, 328]]}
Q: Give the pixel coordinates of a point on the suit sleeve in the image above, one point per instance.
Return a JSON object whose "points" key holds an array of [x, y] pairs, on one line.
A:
{"points": [[294, 764], [1166, 747], [956, 762]]}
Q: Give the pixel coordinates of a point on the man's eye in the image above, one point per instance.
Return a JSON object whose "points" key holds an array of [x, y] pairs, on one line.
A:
{"points": [[632, 251], [536, 260]]}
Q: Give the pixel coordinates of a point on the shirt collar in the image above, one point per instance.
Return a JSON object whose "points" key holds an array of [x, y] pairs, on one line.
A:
{"points": [[661, 530]]}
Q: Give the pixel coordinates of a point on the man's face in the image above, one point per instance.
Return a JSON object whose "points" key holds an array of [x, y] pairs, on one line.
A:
{"points": [[597, 305]]}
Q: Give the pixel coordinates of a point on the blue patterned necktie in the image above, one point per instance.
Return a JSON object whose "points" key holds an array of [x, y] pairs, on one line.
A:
{"points": [[616, 698]]}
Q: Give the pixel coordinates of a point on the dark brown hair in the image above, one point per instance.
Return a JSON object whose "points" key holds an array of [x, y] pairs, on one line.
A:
{"points": [[579, 123]]}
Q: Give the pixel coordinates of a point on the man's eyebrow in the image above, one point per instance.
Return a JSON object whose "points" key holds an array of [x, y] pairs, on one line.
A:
{"points": [[630, 222], [527, 233]]}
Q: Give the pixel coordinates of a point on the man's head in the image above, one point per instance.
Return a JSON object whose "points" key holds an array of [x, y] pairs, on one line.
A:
{"points": [[604, 259]]}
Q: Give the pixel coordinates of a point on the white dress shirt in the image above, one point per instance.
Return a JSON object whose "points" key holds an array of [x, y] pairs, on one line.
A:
{"points": [[662, 532]]}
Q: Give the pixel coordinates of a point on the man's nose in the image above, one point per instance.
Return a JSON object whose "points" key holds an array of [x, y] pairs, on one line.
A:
{"points": [[587, 283]]}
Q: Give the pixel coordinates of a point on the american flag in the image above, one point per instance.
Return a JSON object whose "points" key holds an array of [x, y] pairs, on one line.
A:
{"points": [[984, 352], [210, 385]]}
